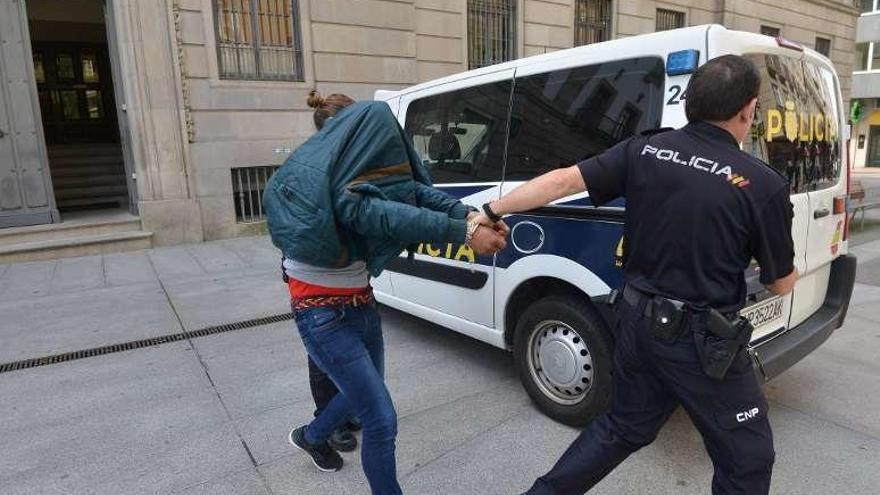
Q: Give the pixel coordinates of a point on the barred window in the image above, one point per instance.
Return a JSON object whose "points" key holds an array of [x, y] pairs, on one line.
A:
{"points": [[259, 40], [771, 31], [592, 21], [491, 32], [248, 185], [823, 46], [669, 19]]}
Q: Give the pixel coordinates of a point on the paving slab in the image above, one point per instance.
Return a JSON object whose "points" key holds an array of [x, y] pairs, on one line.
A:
{"points": [[216, 256], [422, 437], [255, 394], [266, 433], [83, 319], [429, 435], [508, 459], [174, 262], [869, 310], [869, 273], [131, 422], [423, 387], [295, 474], [128, 268], [216, 298], [240, 354], [255, 251], [27, 280], [247, 482], [817, 457], [77, 274], [120, 382], [824, 383], [868, 249], [156, 463], [864, 293]]}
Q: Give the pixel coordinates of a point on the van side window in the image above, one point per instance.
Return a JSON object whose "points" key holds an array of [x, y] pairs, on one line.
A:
{"points": [[796, 128], [562, 117], [460, 135]]}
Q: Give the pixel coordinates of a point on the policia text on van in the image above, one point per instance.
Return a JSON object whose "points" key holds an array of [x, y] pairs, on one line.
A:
{"points": [[485, 132]]}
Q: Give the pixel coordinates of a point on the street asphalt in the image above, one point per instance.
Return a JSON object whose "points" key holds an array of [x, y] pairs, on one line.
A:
{"points": [[210, 415]]}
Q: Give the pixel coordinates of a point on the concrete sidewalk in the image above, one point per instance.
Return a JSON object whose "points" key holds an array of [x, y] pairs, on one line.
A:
{"points": [[210, 415], [64, 305]]}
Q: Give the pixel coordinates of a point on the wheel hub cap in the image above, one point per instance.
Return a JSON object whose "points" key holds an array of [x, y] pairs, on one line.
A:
{"points": [[560, 362]]}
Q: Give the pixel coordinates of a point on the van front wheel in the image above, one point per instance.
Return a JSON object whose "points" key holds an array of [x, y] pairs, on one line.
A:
{"points": [[562, 355]]}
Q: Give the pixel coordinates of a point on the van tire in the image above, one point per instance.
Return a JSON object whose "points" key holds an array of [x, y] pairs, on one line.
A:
{"points": [[554, 391]]}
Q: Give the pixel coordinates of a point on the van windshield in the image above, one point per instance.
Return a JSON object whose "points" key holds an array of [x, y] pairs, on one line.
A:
{"points": [[796, 129]]}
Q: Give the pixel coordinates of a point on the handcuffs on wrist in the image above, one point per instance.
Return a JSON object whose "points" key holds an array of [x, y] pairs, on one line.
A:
{"points": [[472, 227]]}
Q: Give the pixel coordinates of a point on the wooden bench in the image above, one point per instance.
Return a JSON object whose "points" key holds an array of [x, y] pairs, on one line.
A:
{"points": [[862, 201]]}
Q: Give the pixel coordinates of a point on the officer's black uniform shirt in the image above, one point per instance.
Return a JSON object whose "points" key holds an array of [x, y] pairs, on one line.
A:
{"points": [[698, 209]]}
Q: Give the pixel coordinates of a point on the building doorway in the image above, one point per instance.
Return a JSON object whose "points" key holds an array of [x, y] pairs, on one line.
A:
{"points": [[76, 92], [873, 157]]}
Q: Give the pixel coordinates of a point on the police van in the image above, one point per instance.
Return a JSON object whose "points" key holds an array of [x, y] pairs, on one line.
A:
{"points": [[484, 132]]}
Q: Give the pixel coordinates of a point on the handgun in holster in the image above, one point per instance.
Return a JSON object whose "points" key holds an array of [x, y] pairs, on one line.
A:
{"points": [[720, 342]]}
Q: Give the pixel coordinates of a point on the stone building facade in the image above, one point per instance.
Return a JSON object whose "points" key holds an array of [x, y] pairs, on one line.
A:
{"points": [[211, 94], [865, 145]]}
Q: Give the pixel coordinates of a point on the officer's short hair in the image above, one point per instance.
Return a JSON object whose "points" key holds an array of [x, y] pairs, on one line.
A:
{"points": [[720, 88]]}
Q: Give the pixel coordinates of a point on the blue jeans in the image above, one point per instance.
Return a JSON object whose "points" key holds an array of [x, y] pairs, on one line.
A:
{"points": [[346, 342]]}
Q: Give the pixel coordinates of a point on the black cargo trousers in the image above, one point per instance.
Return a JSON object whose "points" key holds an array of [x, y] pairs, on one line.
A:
{"points": [[650, 379]]}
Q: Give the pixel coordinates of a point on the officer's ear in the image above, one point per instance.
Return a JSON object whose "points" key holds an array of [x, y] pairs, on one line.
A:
{"points": [[747, 114]]}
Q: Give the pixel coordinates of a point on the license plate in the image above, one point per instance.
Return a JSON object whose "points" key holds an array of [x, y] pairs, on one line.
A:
{"points": [[766, 313]]}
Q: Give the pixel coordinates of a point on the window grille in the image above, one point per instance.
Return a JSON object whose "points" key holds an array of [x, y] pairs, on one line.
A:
{"points": [[259, 40], [770, 31], [823, 46], [592, 21], [669, 19], [248, 184], [491, 32]]}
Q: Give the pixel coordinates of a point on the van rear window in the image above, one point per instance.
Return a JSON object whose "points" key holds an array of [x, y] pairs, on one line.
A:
{"points": [[562, 117], [796, 129]]}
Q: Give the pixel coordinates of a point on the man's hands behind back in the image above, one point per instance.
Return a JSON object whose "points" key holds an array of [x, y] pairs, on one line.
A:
{"points": [[490, 237]]}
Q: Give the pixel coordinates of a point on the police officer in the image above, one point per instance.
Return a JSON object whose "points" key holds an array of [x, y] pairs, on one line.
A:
{"points": [[698, 210]]}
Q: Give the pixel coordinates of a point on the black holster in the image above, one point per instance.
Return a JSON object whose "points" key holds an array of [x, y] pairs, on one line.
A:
{"points": [[720, 341]]}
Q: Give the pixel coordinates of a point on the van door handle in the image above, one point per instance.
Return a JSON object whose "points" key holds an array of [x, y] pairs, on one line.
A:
{"points": [[822, 212]]}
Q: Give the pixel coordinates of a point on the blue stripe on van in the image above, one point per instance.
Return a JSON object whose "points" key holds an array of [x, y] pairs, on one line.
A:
{"points": [[587, 241], [590, 243]]}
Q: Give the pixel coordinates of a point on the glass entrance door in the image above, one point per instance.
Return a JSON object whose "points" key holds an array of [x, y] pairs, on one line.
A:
{"points": [[873, 157], [76, 93]]}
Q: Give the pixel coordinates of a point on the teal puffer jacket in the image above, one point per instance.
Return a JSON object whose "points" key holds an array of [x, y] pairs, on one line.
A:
{"points": [[357, 190]]}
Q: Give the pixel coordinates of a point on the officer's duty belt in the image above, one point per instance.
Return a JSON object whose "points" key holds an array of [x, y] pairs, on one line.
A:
{"points": [[634, 297]]}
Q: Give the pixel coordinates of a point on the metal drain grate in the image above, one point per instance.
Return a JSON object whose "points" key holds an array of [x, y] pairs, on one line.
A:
{"points": [[138, 344]]}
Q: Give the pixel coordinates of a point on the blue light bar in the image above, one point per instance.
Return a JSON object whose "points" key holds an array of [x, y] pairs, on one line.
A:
{"points": [[682, 62]]}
